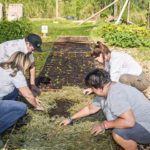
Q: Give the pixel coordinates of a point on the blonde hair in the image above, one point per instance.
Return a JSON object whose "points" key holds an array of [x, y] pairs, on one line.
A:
{"points": [[18, 61]]}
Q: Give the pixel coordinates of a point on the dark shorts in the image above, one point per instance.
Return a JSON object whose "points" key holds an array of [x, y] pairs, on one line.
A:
{"points": [[138, 134]]}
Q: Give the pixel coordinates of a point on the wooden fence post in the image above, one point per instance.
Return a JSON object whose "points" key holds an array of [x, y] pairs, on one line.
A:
{"points": [[148, 17], [56, 9], [115, 10], [128, 16]]}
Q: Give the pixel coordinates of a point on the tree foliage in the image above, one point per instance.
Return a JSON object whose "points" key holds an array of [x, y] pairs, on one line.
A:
{"points": [[79, 8], [14, 29]]}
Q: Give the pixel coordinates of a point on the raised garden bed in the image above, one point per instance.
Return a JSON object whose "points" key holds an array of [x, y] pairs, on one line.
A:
{"points": [[65, 69], [68, 64]]}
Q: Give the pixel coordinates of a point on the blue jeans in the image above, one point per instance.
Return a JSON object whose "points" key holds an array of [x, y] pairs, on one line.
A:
{"points": [[12, 96], [10, 110]]}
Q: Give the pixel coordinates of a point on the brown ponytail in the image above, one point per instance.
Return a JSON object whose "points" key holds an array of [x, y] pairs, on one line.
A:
{"points": [[100, 48]]}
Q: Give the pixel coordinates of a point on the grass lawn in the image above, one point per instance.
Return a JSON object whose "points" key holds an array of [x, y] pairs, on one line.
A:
{"points": [[43, 131], [63, 28]]}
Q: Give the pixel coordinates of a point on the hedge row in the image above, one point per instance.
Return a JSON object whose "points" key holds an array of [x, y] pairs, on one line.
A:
{"points": [[126, 35], [14, 29]]}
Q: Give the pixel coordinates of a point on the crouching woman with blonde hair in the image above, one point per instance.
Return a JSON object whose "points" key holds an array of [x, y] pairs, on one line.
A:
{"points": [[12, 81]]}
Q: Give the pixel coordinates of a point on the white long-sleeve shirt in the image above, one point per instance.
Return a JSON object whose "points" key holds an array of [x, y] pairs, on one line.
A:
{"points": [[121, 63], [10, 47]]}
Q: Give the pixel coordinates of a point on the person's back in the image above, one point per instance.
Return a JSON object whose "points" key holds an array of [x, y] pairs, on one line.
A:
{"points": [[123, 64], [122, 97], [9, 47], [32, 42], [9, 83]]}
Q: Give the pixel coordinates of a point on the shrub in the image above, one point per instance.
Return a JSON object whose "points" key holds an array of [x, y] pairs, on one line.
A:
{"points": [[126, 35], [122, 39], [14, 29]]}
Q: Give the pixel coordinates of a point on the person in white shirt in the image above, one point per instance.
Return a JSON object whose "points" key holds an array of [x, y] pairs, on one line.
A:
{"points": [[121, 66], [12, 79], [12, 82], [27, 45]]}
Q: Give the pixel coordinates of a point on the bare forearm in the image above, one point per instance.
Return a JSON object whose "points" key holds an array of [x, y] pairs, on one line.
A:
{"points": [[125, 120], [90, 109], [25, 91], [119, 123], [31, 99], [82, 113], [32, 75], [86, 111]]}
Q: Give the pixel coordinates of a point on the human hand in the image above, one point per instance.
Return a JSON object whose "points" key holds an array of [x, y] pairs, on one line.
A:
{"points": [[87, 91], [98, 129], [35, 90], [38, 101], [39, 107], [66, 122]]}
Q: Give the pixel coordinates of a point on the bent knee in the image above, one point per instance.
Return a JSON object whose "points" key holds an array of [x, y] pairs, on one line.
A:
{"points": [[115, 135], [21, 108], [125, 78]]}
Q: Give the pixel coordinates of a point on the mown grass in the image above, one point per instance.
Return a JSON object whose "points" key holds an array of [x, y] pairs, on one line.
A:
{"points": [[43, 132], [40, 59], [58, 28]]}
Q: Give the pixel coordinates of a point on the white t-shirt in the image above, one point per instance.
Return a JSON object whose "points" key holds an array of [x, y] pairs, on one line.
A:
{"points": [[10, 47], [121, 63], [122, 98], [8, 83]]}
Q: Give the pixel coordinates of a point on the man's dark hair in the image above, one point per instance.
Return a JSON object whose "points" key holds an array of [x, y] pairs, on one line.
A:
{"points": [[97, 78]]}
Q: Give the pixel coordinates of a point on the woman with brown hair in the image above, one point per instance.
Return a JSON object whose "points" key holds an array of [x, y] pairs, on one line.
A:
{"points": [[121, 66]]}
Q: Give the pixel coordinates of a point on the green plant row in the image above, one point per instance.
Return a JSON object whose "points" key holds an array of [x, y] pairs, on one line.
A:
{"points": [[126, 35], [14, 30]]}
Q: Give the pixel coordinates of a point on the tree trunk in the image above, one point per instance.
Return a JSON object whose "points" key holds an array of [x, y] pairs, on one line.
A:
{"points": [[56, 8], [115, 10], [128, 17], [148, 17]]}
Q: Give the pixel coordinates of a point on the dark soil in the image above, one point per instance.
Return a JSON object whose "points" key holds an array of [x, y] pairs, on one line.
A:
{"points": [[43, 83], [61, 109], [68, 66], [65, 69]]}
